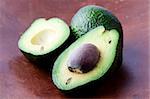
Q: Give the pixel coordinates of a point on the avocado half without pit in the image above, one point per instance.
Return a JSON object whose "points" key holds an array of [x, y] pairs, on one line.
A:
{"points": [[44, 40], [96, 53]]}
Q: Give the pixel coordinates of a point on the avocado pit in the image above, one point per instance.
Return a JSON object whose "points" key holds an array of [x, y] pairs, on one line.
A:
{"points": [[84, 58]]}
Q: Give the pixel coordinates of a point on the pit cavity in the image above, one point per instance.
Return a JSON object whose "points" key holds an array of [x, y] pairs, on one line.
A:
{"points": [[44, 37]]}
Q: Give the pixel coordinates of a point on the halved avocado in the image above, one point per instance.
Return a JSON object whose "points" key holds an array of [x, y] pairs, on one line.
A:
{"points": [[71, 69], [44, 40]]}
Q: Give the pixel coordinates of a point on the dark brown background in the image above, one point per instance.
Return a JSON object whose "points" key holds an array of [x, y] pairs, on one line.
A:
{"points": [[19, 79]]}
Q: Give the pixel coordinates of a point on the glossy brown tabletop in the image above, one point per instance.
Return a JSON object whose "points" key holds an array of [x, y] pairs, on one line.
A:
{"points": [[20, 79]]}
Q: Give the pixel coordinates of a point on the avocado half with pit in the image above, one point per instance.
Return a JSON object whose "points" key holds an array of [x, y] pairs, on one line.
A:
{"points": [[88, 59], [44, 40], [95, 55]]}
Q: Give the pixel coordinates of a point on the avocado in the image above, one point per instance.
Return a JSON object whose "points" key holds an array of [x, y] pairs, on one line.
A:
{"points": [[92, 16], [89, 59], [44, 40]]}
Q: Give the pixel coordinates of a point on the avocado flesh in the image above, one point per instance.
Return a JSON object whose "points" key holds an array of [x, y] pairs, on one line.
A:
{"points": [[106, 41], [44, 40], [44, 36]]}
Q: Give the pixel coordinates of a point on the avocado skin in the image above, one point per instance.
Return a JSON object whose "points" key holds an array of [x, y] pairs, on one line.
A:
{"points": [[109, 21], [92, 16], [46, 61]]}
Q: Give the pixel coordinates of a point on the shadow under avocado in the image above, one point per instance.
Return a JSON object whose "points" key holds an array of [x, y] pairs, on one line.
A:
{"points": [[29, 76]]}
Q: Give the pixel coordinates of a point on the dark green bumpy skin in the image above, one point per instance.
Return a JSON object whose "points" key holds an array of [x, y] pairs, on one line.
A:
{"points": [[92, 16], [88, 18]]}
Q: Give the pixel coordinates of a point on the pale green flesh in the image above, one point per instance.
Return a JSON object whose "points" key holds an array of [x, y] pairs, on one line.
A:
{"points": [[44, 36], [100, 38]]}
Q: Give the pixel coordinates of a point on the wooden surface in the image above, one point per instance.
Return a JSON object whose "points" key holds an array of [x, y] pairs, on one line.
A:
{"points": [[19, 79]]}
